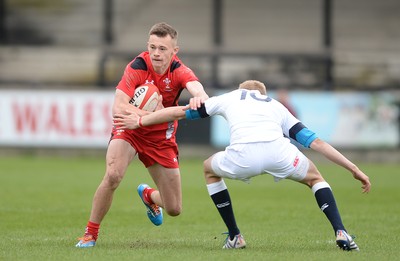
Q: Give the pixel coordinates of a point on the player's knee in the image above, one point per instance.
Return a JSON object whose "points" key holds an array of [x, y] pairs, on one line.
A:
{"points": [[209, 174], [313, 176], [207, 170], [113, 178], [206, 174], [174, 211]]}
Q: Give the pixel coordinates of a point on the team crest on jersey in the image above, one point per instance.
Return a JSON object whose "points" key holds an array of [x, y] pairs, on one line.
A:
{"points": [[167, 82]]}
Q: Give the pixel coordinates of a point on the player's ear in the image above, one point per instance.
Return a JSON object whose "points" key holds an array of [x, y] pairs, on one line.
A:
{"points": [[176, 49]]}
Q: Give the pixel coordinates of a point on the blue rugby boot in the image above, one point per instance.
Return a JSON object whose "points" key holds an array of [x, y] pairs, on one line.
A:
{"points": [[154, 212], [86, 241]]}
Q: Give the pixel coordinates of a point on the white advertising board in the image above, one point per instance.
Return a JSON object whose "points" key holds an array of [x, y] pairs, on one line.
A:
{"points": [[344, 119], [82, 119], [55, 118]]}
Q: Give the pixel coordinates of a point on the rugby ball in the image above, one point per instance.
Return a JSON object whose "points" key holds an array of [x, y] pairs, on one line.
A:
{"points": [[146, 97]]}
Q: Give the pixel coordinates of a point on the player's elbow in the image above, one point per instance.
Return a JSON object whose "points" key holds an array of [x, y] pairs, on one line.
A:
{"points": [[317, 144], [119, 108]]}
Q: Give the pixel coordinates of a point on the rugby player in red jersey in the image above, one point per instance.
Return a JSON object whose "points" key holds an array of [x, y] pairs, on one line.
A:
{"points": [[155, 145]]}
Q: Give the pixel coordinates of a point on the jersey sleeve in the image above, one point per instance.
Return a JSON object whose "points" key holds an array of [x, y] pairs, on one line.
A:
{"points": [[296, 130], [210, 107], [197, 114], [131, 78], [302, 134], [185, 75]]}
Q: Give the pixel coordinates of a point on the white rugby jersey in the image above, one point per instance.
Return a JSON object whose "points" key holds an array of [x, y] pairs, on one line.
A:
{"points": [[252, 117]]}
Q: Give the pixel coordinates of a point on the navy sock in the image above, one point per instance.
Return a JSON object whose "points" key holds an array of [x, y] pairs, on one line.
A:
{"points": [[326, 202], [223, 203]]}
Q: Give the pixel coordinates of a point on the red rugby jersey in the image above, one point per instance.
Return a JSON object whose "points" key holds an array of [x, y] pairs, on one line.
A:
{"points": [[170, 85]]}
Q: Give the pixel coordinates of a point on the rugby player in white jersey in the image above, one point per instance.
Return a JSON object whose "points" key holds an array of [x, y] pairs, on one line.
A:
{"points": [[259, 127]]}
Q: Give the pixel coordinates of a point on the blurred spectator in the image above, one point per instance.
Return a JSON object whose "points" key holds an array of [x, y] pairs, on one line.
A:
{"points": [[283, 97]]}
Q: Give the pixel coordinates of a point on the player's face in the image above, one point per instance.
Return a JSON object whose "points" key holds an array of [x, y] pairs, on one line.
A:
{"points": [[161, 50]]}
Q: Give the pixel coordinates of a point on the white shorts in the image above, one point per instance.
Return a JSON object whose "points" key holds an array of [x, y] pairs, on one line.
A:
{"points": [[279, 158]]}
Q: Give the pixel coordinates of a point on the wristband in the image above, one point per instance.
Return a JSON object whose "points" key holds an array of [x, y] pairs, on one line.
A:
{"points": [[140, 122]]}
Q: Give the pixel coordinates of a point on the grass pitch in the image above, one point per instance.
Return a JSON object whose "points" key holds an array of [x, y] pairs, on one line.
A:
{"points": [[45, 204]]}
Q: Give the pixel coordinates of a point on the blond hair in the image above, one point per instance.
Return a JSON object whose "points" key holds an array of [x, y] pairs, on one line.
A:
{"points": [[253, 85], [162, 30]]}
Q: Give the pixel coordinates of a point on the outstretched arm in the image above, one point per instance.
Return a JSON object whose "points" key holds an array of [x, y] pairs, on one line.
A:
{"points": [[335, 156], [196, 89], [131, 120]]}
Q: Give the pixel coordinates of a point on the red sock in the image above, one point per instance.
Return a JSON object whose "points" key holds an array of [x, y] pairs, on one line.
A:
{"points": [[146, 193], [92, 229]]}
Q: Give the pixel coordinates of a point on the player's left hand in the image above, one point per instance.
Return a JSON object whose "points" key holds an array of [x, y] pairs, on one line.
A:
{"points": [[128, 120], [364, 179]]}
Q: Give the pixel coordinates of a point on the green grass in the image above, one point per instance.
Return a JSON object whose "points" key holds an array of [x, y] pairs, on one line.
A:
{"points": [[45, 204]]}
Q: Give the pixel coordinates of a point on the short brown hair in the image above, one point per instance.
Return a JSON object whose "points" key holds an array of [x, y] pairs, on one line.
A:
{"points": [[162, 30], [254, 85]]}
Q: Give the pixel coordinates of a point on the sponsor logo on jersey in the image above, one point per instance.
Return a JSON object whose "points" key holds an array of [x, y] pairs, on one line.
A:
{"points": [[296, 161], [149, 81]]}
